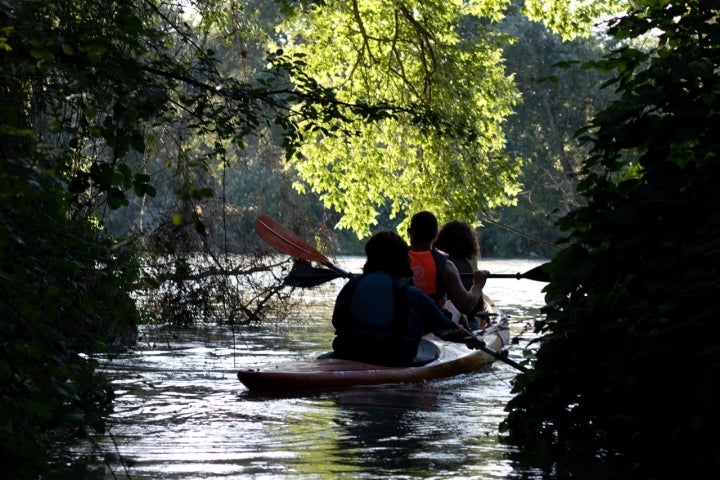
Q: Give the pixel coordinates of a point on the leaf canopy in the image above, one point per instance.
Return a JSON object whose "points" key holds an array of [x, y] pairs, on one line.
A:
{"points": [[440, 147]]}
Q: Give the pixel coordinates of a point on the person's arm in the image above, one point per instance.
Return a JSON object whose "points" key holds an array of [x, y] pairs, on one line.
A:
{"points": [[426, 309], [464, 300], [435, 321]]}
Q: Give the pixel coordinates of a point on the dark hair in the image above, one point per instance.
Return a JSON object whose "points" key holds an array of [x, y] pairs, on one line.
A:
{"points": [[387, 252], [424, 226], [458, 239]]}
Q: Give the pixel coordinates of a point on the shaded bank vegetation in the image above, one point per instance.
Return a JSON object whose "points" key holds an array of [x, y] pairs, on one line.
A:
{"points": [[624, 384]]}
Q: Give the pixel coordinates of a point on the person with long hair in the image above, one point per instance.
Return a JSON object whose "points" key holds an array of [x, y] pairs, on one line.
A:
{"points": [[459, 241], [380, 316]]}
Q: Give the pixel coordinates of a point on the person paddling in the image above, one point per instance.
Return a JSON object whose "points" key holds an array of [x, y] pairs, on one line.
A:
{"points": [[459, 241], [434, 274], [380, 316]]}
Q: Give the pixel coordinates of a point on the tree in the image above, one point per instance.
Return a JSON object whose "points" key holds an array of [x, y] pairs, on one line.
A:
{"points": [[445, 57], [633, 294], [558, 98], [441, 58]]}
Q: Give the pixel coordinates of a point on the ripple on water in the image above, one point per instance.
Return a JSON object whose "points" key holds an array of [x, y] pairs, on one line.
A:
{"points": [[181, 413]]}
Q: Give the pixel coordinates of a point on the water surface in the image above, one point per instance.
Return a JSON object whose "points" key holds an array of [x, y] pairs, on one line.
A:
{"points": [[181, 412]]}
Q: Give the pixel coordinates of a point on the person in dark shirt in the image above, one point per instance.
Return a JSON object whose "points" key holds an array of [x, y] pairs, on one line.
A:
{"points": [[380, 316]]}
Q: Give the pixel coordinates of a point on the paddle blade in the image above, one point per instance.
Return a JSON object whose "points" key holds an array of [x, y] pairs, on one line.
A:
{"points": [[286, 241], [537, 274], [304, 275]]}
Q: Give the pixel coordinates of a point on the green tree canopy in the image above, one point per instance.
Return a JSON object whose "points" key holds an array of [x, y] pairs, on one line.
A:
{"points": [[438, 57], [575, 18], [441, 57]]}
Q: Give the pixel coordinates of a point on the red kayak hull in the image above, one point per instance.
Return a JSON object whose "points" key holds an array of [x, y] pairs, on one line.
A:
{"points": [[333, 373]]}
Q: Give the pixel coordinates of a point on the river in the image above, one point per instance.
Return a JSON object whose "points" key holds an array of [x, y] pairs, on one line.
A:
{"points": [[181, 413]]}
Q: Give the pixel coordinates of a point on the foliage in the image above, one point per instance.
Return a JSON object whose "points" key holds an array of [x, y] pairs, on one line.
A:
{"points": [[446, 57], [58, 280], [439, 58], [558, 98], [573, 19], [627, 371]]}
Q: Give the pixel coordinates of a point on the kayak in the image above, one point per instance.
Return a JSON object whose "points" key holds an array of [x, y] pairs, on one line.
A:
{"points": [[441, 359]]}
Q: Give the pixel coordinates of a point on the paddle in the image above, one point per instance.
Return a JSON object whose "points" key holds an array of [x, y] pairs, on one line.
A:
{"points": [[537, 274], [305, 275], [480, 345], [288, 242]]}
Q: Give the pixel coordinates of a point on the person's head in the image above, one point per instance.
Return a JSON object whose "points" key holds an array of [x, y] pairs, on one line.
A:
{"points": [[423, 227], [458, 239], [387, 252]]}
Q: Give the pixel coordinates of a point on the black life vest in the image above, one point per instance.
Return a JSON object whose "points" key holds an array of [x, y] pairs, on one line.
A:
{"points": [[364, 339]]}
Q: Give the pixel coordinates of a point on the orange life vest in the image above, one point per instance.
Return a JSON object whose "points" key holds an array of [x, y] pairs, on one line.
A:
{"points": [[428, 269]]}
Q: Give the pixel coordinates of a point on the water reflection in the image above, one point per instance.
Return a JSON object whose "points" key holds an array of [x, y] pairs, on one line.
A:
{"points": [[434, 430], [182, 414], [379, 429]]}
